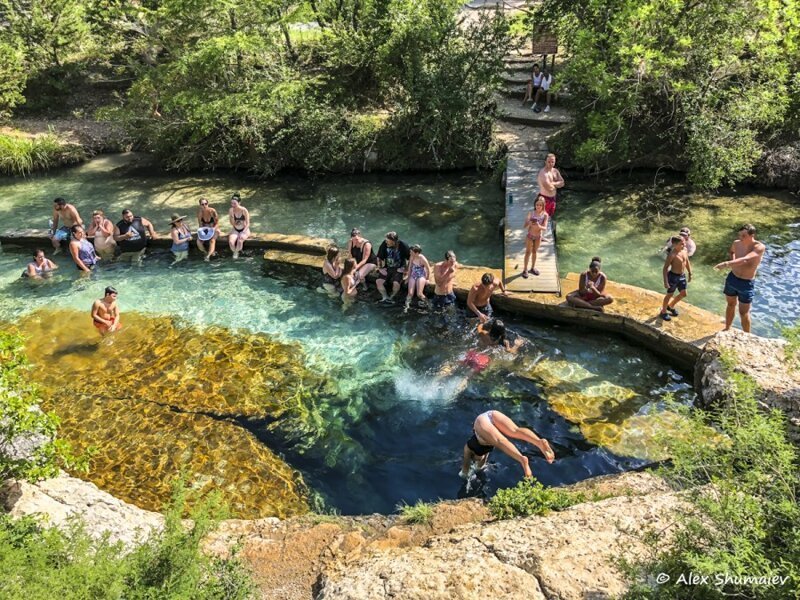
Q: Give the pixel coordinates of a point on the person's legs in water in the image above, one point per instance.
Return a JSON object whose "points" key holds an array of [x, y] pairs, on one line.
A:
{"points": [[421, 282], [380, 283], [412, 284], [232, 239]]}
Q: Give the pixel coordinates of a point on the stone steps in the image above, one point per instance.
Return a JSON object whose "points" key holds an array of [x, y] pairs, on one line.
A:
{"points": [[510, 110]]}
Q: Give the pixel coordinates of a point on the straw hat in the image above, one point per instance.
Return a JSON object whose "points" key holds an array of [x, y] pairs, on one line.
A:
{"points": [[176, 217]]}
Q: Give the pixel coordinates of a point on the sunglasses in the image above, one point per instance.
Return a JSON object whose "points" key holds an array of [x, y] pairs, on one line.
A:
{"points": [[204, 204]]}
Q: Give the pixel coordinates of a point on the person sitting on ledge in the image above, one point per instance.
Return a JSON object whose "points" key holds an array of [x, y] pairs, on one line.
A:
{"points": [[444, 275], [491, 430], [131, 236], [590, 293], [534, 83], [361, 250], [393, 254], [64, 217]]}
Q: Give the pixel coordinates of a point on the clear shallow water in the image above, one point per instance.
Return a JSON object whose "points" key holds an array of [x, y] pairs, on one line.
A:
{"points": [[607, 224], [460, 211], [390, 423]]}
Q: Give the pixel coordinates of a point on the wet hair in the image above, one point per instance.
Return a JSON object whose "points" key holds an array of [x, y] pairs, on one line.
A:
{"points": [[60, 201], [596, 259], [36, 252], [392, 235], [110, 290], [487, 279], [333, 252], [349, 266], [98, 212], [75, 228], [676, 239], [416, 248], [449, 254], [497, 330], [355, 231], [125, 211], [595, 264], [750, 229]]}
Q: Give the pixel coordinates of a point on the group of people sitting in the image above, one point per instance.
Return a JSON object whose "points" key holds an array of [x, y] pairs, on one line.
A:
{"points": [[127, 239]]}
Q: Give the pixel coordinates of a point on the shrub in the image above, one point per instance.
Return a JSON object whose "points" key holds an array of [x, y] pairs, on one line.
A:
{"points": [[28, 446], [37, 562], [530, 497], [745, 518], [22, 155], [420, 513], [792, 348]]}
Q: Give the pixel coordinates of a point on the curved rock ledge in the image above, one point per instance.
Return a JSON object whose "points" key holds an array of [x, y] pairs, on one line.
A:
{"points": [[564, 555]]}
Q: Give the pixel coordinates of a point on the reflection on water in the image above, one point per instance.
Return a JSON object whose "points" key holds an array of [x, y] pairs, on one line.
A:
{"points": [[607, 224], [258, 380]]}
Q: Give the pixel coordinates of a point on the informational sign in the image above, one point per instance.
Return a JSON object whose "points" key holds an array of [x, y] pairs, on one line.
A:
{"points": [[544, 42]]}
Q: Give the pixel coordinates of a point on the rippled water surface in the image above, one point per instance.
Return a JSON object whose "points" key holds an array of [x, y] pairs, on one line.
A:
{"points": [[270, 393]]}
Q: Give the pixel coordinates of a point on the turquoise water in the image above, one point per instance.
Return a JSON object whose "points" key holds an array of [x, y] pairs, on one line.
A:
{"points": [[391, 428], [460, 210]]}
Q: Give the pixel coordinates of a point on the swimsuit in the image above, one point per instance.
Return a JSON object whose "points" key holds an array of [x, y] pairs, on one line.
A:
{"points": [[239, 219], [549, 204], [676, 282], [485, 309], [358, 254], [474, 444], [417, 272], [743, 289], [45, 268], [182, 246], [587, 295], [442, 300], [539, 221], [86, 254], [211, 223], [61, 234], [103, 327], [329, 280]]}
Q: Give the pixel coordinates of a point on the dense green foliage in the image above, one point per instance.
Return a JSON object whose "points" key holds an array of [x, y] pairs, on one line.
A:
{"points": [[420, 513], [267, 85], [530, 497], [792, 348], [746, 521], [12, 77], [36, 562], [23, 425], [21, 154], [705, 85]]}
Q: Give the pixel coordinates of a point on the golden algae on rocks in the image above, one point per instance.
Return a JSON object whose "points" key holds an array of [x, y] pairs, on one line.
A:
{"points": [[159, 396]]}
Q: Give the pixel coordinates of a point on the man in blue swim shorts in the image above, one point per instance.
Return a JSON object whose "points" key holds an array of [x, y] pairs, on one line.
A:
{"points": [[444, 275], [746, 253], [64, 217]]}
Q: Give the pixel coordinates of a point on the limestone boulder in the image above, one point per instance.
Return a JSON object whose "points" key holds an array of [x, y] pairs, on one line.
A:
{"points": [[764, 360], [56, 501]]}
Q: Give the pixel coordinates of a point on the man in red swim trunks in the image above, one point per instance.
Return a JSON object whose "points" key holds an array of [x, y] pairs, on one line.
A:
{"points": [[105, 312], [549, 180]]}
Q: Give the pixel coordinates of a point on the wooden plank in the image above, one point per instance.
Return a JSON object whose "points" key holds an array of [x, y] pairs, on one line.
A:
{"points": [[521, 184]]}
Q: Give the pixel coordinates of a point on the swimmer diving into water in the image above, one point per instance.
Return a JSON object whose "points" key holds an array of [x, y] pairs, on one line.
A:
{"points": [[491, 430]]}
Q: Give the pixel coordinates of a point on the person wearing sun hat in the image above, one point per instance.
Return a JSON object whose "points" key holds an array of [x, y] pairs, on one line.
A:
{"points": [[181, 236]]}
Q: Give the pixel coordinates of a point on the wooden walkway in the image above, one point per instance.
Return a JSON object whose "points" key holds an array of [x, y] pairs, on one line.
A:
{"points": [[521, 184]]}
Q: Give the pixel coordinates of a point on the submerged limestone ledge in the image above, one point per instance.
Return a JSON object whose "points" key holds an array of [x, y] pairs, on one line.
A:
{"points": [[159, 397]]}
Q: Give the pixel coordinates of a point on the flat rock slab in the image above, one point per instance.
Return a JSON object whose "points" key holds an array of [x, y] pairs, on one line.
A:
{"points": [[511, 110], [299, 243]]}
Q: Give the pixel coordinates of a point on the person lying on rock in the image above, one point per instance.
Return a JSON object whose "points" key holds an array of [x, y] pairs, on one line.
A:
{"points": [[491, 430]]}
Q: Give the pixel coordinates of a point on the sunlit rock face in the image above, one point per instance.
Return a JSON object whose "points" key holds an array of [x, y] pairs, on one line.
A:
{"points": [[160, 397]]}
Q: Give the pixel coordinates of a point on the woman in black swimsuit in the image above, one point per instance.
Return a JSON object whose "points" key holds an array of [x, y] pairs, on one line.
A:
{"points": [[332, 272], [361, 251], [207, 217], [240, 221]]}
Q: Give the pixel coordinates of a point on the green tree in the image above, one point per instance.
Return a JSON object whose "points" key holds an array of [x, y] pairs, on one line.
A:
{"points": [[49, 29], [703, 84], [12, 78]]}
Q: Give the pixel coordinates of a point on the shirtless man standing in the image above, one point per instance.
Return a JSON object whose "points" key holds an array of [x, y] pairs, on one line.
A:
{"points": [[479, 294], [444, 274], [105, 312], [64, 216], [676, 268], [746, 254], [549, 180]]}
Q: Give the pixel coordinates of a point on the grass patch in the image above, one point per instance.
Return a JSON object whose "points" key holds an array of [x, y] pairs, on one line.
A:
{"points": [[420, 513], [529, 497], [22, 155], [792, 348]]}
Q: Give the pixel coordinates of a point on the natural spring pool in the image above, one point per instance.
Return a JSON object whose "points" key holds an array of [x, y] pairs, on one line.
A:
{"points": [[267, 391]]}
